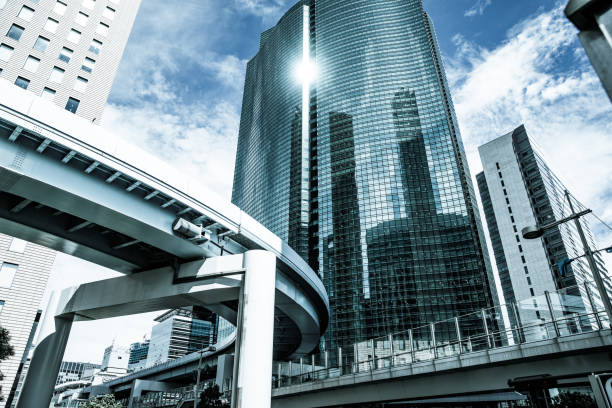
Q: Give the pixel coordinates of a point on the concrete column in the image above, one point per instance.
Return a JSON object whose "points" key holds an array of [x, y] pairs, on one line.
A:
{"points": [[252, 386], [38, 386], [51, 339]]}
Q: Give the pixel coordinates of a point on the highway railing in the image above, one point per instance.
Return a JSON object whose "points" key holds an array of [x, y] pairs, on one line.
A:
{"points": [[566, 312]]}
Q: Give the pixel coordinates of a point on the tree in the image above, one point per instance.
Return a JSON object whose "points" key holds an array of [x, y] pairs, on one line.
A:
{"points": [[105, 401], [6, 351], [211, 398], [573, 400]]}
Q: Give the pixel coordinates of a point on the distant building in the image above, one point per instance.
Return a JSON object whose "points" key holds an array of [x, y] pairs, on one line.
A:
{"points": [[180, 332], [73, 371], [115, 358], [138, 355], [518, 189]]}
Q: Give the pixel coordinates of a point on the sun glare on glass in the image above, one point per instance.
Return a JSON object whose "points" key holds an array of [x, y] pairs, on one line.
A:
{"points": [[306, 72]]}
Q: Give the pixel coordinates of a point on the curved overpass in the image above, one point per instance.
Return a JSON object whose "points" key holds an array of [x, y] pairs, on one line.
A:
{"points": [[76, 188]]}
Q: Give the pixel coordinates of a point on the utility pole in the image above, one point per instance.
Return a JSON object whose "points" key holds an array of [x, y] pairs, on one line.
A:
{"points": [[592, 263], [197, 386]]}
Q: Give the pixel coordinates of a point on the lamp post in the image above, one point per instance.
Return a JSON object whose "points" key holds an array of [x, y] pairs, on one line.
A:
{"points": [[534, 232], [196, 395]]}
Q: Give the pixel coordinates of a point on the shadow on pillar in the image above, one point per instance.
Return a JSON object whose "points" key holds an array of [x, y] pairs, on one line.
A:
{"points": [[39, 383]]}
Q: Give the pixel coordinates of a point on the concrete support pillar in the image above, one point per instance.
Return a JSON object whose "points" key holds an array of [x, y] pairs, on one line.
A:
{"points": [[252, 386], [38, 386]]}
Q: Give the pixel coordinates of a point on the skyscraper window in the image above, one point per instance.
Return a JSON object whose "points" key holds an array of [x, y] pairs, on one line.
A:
{"points": [[57, 75], [102, 29], [95, 46], [81, 18], [88, 64], [74, 36], [26, 13], [18, 245], [72, 105], [41, 44], [5, 52], [22, 82], [80, 84], [31, 64], [7, 274], [48, 94], [60, 8], [109, 13], [65, 54], [51, 25], [90, 4], [15, 32]]}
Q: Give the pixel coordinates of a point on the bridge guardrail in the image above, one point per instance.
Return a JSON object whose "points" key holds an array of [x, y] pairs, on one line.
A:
{"points": [[565, 312]]}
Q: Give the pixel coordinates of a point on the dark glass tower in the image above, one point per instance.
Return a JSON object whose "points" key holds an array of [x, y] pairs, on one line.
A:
{"points": [[363, 171]]}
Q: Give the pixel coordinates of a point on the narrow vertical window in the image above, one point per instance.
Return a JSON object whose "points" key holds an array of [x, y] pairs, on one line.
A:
{"points": [[5, 52], [7, 274]]}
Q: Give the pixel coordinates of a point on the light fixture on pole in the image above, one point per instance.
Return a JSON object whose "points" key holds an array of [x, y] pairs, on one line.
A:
{"points": [[534, 232]]}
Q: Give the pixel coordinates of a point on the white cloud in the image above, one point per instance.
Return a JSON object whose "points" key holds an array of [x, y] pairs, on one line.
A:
{"points": [[477, 8], [539, 76], [269, 10]]}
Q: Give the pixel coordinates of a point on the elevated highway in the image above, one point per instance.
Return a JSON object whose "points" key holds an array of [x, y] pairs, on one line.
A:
{"points": [[75, 187]]}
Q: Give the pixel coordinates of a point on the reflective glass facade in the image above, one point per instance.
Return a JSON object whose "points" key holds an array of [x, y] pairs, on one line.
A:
{"points": [[391, 225]]}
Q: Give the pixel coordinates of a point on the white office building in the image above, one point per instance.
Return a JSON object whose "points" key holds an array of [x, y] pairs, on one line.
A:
{"points": [[518, 189], [67, 52]]}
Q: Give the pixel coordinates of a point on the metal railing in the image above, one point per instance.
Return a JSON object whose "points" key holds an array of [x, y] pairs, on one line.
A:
{"points": [[569, 311], [160, 399]]}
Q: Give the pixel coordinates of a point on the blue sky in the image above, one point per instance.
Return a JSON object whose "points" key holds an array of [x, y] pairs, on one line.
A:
{"points": [[179, 88]]}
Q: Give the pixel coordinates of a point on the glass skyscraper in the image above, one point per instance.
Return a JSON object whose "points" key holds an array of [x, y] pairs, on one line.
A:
{"points": [[363, 170]]}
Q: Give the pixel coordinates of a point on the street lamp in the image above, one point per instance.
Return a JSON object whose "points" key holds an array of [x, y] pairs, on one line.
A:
{"points": [[534, 232]]}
